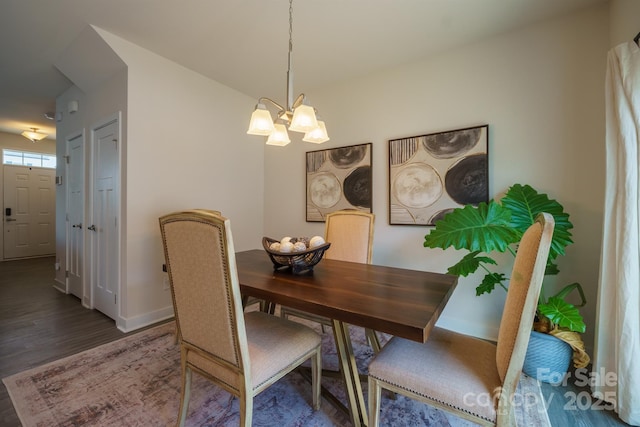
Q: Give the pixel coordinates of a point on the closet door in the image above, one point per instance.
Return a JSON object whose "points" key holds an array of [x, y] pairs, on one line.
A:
{"points": [[104, 228], [75, 215]]}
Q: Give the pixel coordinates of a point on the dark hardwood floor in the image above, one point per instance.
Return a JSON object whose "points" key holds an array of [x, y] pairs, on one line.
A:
{"points": [[571, 404], [39, 324]]}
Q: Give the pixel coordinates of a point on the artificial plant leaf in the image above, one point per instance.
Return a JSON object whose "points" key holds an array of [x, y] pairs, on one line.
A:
{"points": [[551, 269], [489, 283], [563, 314], [469, 264], [525, 204], [484, 228], [570, 288]]}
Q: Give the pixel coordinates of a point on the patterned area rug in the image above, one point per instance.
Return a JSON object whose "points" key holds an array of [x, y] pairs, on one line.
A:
{"points": [[135, 381]]}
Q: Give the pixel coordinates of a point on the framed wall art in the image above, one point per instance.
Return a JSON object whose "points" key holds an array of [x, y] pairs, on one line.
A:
{"points": [[338, 178], [430, 175]]}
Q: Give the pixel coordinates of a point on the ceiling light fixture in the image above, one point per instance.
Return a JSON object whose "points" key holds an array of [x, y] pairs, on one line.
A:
{"points": [[299, 116], [33, 135]]}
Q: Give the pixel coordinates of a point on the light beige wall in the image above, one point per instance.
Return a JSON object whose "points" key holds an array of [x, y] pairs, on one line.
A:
{"points": [[186, 148], [624, 22], [19, 142], [540, 89]]}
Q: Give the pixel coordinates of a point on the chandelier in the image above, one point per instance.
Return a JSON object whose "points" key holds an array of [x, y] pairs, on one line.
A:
{"points": [[298, 116], [33, 135]]}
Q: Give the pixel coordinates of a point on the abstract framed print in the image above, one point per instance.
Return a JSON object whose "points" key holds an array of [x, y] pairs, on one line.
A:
{"points": [[338, 178], [430, 175]]}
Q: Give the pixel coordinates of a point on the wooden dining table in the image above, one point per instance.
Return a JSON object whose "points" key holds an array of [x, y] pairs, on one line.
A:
{"points": [[396, 301]]}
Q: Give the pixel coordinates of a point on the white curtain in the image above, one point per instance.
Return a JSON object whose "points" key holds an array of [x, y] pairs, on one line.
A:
{"points": [[617, 345]]}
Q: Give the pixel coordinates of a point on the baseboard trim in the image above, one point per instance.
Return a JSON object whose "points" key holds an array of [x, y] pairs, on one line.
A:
{"points": [[58, 285], [146, 319]]}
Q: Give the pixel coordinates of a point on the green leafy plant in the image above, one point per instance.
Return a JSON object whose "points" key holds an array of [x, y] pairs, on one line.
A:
{"points": [[497, 227]]}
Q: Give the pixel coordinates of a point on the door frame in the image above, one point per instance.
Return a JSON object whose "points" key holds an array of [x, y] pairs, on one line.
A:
{"points": [[89, 237]]}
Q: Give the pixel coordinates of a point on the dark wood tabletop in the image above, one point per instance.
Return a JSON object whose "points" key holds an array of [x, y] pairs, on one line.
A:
{"points": [[398, 301]]}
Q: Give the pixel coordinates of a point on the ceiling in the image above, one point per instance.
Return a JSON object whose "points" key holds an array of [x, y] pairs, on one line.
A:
{"points": [[243, 43]]}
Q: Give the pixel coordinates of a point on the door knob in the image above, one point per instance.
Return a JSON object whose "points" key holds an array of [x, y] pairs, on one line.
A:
{"points": [[11, 219], [92, 228]]}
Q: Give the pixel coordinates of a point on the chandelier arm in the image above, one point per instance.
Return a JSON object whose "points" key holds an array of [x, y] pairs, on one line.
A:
{"points": [[299, 100], [278, 106]]}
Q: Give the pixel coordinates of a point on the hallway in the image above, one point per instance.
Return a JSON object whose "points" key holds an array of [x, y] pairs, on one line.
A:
{"points": [[39, 324]]}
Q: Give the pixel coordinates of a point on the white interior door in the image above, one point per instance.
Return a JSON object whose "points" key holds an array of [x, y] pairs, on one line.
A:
{"points": [[104, 223], [75, 215], [29, 216]]}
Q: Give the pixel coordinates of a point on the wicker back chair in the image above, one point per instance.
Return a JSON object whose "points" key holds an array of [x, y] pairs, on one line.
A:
{"points": [[470, 377], [242, 353]]}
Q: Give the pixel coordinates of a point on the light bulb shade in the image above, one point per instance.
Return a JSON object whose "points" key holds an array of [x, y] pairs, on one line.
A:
{"points": [[33, 135], [261, 122], [279, 136], [304, 119], [317, 135]]}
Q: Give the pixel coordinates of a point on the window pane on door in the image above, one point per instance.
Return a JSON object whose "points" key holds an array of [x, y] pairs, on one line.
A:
{"points": [[25, 158], [48, 161], [11, 157]]}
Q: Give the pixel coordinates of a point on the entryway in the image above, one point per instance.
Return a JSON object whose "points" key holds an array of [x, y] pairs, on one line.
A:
{"points": [[29, 211]]}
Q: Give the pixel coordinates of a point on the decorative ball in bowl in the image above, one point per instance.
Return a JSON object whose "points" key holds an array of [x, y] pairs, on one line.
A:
{"points": [[298, 254]]}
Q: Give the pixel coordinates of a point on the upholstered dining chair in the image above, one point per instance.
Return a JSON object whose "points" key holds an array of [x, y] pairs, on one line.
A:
{"points": [[470, 377], [244, 353], [177, 336], [350, 233]]}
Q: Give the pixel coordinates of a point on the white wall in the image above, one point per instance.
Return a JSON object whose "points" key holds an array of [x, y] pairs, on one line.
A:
{"points": [[19, 142], [186, 147], [540, 89]]}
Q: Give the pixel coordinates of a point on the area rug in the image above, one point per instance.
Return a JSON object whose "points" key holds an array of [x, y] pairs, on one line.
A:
{"points": [[135, 381]]}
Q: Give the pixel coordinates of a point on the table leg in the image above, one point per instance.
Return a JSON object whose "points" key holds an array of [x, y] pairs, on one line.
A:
{"points": [[350, 374]]}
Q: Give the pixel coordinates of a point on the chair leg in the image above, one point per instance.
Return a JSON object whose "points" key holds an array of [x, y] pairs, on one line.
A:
{"points": [[185, 395], [374, 342], [246, 409], [375, 392], [506, 415], [316, 375]]}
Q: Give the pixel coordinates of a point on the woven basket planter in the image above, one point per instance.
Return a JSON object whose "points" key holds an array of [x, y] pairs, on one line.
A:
{"points": [[547, 359]]}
